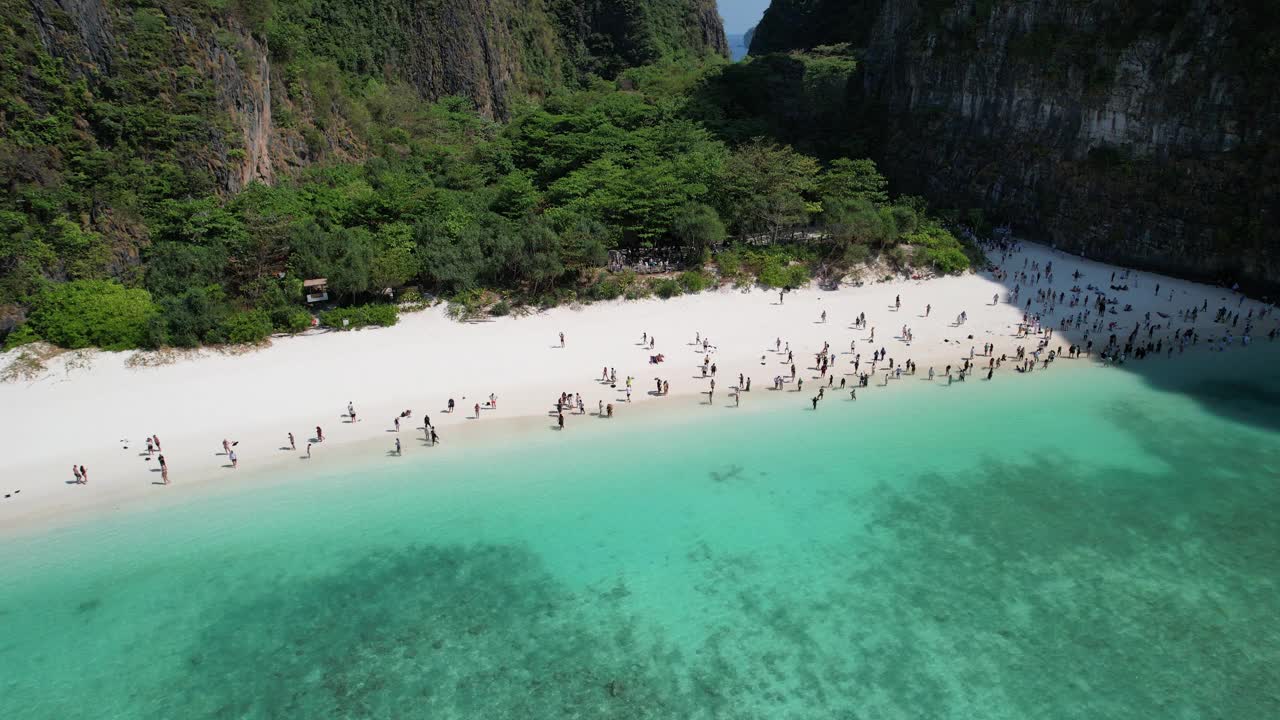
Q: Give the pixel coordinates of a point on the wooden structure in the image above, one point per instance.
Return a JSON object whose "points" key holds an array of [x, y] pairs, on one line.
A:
{"points": [[317, 289]]}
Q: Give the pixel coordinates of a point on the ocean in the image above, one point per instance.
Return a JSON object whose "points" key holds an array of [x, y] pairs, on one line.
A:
{"points": [[737, 46], [1077, 543]]}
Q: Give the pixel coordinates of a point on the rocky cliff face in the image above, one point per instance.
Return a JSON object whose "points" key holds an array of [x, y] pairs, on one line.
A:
{"points": [[245, 58], [1140, 132]]}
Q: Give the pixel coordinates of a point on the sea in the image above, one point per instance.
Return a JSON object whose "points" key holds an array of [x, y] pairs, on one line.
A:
{"points": [[737, 46], [1081, 542]]}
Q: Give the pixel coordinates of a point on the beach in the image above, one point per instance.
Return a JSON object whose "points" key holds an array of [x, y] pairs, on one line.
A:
{"points": [[1075, 544], [97, 409]]}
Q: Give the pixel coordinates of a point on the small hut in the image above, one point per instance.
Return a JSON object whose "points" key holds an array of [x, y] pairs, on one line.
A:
{"points": [[316, 289]]}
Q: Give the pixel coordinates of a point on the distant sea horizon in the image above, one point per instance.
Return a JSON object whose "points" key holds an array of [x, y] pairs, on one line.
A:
{"points": [[737, 45]]}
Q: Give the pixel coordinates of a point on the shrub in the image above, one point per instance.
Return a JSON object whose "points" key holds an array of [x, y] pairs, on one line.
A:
{"points": [[637, 291], [99, 313], [665, 288], [376, 314], [605, 289], [856, 254], [246, 327], [776, 272], [23, 335], [899, 257], [695, 281], [290, 320], [500, 309], [412, 299], [797, 275], [729, 262], [193, 317], [941, 250], [947, 260]]}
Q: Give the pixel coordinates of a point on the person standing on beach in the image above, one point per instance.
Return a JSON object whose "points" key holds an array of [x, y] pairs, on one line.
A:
{"points": [[164, 470], [927, 310], [234, 461], [319, 434], [450, 405], [397, 446], [308, 449], [477, 411], [156, 438], [397, 421], [75, 470], [292, 446], [84, 476], [226, 447], [434, 437], [560, 420], [561, 339]]}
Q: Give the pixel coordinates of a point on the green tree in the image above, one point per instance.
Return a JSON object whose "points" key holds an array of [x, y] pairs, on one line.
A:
{"points": [[192, 317], [698, 227], [847, 178], [449, 262], [764, 187], [516, 196], [394, 263], [344, 257]]}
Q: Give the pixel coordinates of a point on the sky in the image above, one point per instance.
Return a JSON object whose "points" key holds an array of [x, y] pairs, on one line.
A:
{"points": [[740, 15]]}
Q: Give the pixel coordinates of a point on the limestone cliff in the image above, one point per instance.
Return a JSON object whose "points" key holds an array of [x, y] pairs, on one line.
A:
{"points": [[264, 80], [1141, 132]]}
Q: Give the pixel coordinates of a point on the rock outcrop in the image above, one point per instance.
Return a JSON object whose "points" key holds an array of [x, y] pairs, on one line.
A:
{"points": [[494, 52], [1141, 132]]}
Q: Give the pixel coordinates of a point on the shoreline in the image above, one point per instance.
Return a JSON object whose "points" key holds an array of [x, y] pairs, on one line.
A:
{"points": [[192, 404]]}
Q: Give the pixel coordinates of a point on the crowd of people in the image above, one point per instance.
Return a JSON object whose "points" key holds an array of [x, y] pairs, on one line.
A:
{"points": [[1095, 314]]}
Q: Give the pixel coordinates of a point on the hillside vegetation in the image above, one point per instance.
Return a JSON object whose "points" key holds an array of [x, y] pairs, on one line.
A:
{"points": [[129, 218]]}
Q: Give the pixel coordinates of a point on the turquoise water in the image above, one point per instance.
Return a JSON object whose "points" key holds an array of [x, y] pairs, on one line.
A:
{"points": [[1073, 544]]}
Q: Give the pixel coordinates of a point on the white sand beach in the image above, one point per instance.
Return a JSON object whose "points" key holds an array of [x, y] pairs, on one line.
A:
{"points": [[85, 408]]}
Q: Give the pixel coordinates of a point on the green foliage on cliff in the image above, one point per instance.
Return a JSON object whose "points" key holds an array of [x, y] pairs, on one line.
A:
{"points": [[800, 98], [119, 226]]}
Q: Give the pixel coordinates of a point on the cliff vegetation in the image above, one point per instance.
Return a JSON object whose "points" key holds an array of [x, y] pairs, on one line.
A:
{"points": [[176, 168], [1138, 132]]}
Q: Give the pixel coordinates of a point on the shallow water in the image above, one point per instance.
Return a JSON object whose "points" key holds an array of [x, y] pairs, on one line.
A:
{"points": [[1081, 543]]}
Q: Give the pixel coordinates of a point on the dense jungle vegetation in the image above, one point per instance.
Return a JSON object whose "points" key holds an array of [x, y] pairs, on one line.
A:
{"points": [[115, 233]]}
